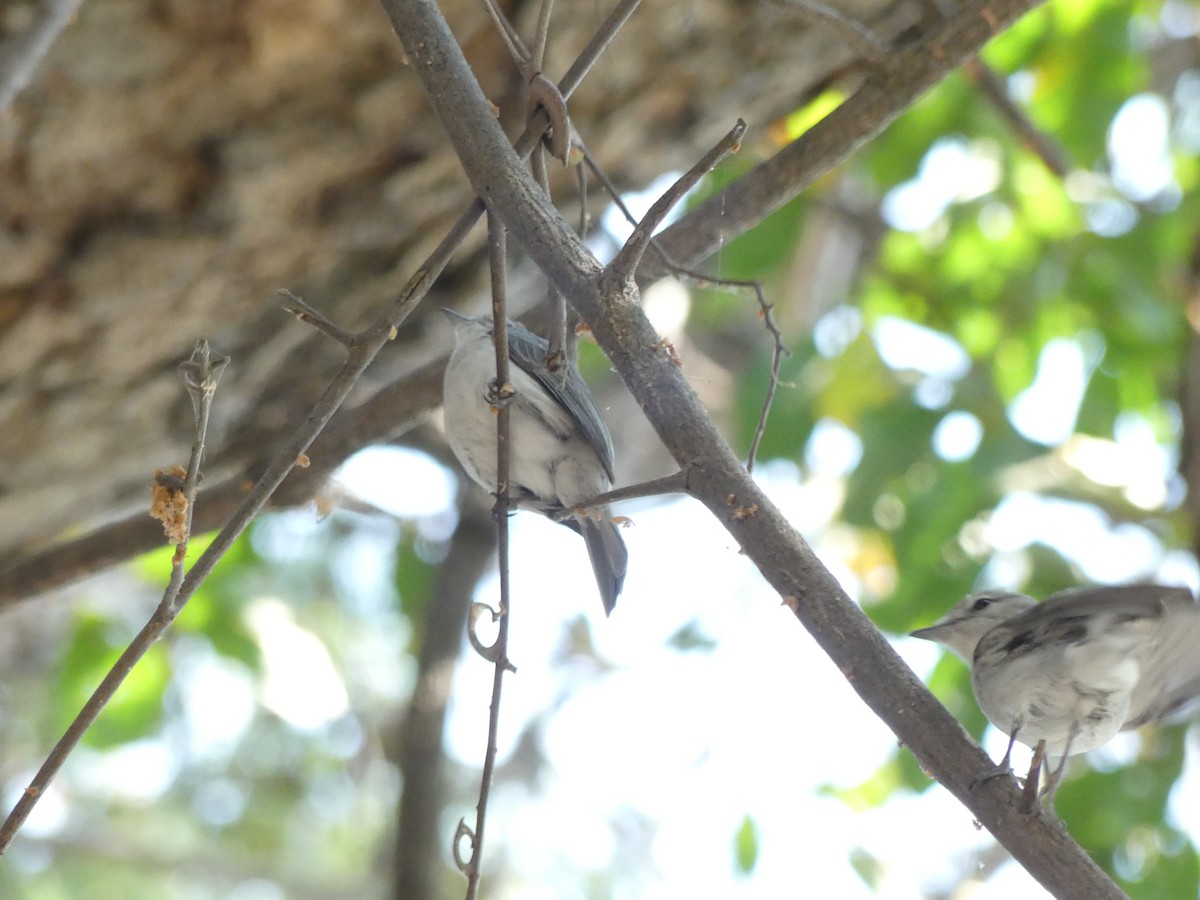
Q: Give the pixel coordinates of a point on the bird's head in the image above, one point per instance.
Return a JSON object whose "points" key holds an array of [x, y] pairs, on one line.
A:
{"points": [[972, 617]]}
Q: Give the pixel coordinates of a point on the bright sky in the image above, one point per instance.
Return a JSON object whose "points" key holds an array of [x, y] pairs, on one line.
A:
{"points": [[694, 742]]}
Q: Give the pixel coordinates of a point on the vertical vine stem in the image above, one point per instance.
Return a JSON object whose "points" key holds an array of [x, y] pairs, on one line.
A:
{"points": [[501, 395]]}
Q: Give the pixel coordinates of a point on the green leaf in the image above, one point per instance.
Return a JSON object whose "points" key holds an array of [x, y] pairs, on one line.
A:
{"points": [[745, 846], [136, 708]]}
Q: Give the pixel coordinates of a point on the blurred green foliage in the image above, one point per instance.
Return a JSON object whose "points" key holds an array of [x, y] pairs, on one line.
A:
{"points": [[745, 846], [1002, 270]]}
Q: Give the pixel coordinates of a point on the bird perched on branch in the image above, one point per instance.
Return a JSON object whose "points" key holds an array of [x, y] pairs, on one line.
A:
{"points": [[1064, 676], [561, 451]]}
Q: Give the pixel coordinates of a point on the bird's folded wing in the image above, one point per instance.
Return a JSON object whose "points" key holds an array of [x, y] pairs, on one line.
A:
{"points": [[1117, 602], [529, 351]]}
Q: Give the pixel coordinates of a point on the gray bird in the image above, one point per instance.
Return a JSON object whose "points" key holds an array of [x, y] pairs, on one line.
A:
{"points": [[1078, 668], [561, 451]]}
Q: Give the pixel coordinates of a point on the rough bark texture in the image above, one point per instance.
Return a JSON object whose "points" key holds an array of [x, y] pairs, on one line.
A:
{"points": [[172, 164]]}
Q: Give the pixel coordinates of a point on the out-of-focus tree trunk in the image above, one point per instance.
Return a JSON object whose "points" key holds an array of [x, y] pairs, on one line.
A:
{"points": [[422, 844], [172, 164]]}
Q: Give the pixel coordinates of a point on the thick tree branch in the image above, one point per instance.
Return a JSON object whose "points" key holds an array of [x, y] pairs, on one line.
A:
{"points": [[717, 479], [891, 85]]}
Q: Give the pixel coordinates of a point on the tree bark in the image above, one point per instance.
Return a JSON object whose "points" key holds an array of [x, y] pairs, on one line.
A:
{"points": [[171, 165]]}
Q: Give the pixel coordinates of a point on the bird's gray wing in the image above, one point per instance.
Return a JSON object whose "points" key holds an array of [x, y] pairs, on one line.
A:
{"points": [[1068, 616], [1122, 601], [1169, 677], [528, 351]]}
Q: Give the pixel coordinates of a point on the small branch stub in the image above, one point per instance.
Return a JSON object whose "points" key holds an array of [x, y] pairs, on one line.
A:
{"points": [[463, 831]]}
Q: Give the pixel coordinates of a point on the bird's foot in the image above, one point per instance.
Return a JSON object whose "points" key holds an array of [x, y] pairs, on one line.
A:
{"points": [[998, 771]]}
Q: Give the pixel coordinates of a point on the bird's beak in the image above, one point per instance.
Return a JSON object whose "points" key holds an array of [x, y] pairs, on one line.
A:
{"points": [[927, 634]]}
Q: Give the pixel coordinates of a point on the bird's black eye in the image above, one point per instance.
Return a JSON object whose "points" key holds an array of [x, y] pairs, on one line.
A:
{"points": [[981, 603]]}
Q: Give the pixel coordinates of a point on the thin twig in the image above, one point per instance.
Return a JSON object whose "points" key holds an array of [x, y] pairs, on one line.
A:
{"points": [[537, 165], [582, 188], [625, 264], [861, 39], [200, 375], [668, 484], [991, 85], [503, 392], [778, 349], [509, 34], [313, 317], [556, 303], [596, 47], [20, 56], [541, 35]]}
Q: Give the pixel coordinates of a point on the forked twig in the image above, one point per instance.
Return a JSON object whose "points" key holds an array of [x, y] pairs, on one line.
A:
{"points": [[542, 35], [625, 264], [540, 90], [861, 39], [778, 349]]}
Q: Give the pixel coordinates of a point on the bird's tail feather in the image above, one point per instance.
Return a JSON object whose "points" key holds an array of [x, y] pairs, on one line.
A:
{"points": [[609, 556], [1173, 671]]}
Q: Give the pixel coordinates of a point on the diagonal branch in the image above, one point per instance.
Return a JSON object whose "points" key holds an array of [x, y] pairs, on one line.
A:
{"points": [[627, 259], [174, 504], [20, 56], [717, 479]]}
